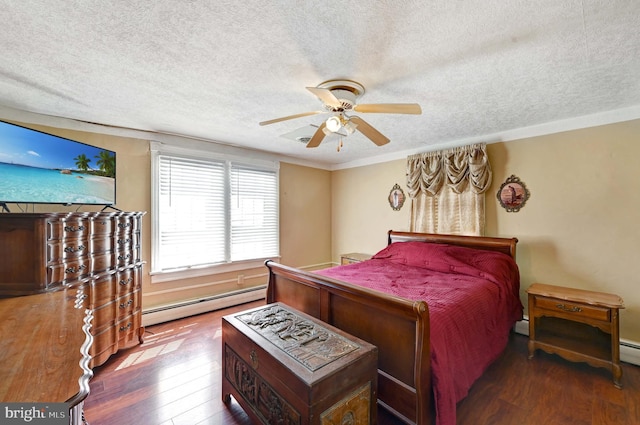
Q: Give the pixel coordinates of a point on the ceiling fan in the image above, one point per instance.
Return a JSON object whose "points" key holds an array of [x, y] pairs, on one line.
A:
{"points": [[339, 99]]}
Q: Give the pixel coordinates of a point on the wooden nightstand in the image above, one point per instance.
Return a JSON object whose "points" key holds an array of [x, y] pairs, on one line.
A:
{"points": [[578, 325], [353, 257]]}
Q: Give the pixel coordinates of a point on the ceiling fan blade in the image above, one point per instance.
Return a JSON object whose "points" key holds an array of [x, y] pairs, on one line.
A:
{"points": [[317, 137], [290, 117], [366, 129], [389, 108], [325, 96]]}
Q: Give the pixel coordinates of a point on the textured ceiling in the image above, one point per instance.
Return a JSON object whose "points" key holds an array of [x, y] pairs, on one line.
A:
{"points": [[214, 69]]}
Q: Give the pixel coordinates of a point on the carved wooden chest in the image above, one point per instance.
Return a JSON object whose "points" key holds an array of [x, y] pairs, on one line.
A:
{"points": [[285, 367]]}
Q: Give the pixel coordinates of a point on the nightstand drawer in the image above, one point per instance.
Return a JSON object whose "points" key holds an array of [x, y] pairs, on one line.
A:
{"points": [[577, 309]]}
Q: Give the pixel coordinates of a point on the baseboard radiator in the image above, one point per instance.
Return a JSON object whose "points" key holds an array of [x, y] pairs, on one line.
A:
{"points": [[188, 308], [202, 305], [629, 350]]}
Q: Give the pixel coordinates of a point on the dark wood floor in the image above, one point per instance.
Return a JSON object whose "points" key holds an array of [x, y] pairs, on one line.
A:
{"points": [[174, 379]]}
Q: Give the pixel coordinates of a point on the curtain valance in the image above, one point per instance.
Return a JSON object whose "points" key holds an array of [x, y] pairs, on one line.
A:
{"points": [[458, 168]]}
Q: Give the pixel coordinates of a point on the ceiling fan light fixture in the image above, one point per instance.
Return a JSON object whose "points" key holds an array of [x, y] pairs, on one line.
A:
{"points": [[350, 127], [333, 124]]}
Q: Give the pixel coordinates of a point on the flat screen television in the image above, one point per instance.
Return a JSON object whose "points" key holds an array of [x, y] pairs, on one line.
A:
{"points": [[39, 168]]}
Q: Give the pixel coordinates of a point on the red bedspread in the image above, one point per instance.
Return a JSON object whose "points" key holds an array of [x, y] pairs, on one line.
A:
{"points": [[473, 299]]}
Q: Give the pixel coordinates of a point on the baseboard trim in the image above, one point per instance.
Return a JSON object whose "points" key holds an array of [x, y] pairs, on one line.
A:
{"points": [[170, 312], [629, 350]]}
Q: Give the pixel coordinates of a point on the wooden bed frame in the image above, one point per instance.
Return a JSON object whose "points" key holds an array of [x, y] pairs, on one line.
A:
{"points": [[398, 327]]}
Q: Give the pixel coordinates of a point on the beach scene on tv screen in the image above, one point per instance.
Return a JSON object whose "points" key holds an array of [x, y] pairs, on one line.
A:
{"points": [[41, 168]]}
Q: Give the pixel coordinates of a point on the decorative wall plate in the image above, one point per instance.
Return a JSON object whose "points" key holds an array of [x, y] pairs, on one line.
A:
{"points": [[513, 194], [396, 197]]}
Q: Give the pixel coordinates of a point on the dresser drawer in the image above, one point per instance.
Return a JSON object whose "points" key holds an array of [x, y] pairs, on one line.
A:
{"points": [[54, 229], [574, 309], [123, 241], [125, 325], [101, 244], [102, 226], [69, 270], [102, 290], [126, 282], [124, 257], [129, 328], [58, 250], [104, 345], [68, 228], [128, 304], [101, 262], [104, 316], [125, 226]]}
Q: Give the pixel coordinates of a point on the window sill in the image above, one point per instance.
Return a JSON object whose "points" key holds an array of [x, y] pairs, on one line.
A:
{"points": [[169, 276]]}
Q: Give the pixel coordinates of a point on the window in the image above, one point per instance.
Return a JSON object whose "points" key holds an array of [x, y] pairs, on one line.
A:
{"points": [[212, 209], [254, 212]]}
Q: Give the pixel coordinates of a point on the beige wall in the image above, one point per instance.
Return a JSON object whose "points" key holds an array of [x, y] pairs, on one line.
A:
{"points": [[360, 207], [305, 216], [580, 227]]}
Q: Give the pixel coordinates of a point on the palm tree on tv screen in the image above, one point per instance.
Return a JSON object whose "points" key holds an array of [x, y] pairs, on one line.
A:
{"points": [[107, 163], [82, 162]]}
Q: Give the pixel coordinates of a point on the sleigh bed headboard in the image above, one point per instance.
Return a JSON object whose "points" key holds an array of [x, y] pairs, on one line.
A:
{"points": [[504, 245]]}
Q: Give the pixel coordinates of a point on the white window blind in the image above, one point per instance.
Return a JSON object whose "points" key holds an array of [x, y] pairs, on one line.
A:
{"points": [[191, 216], [254, 213], [214, 211]]}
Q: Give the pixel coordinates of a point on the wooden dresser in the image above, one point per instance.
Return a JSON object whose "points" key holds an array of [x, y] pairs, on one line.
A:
{"points": [[99, 251], [283, 366]]}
